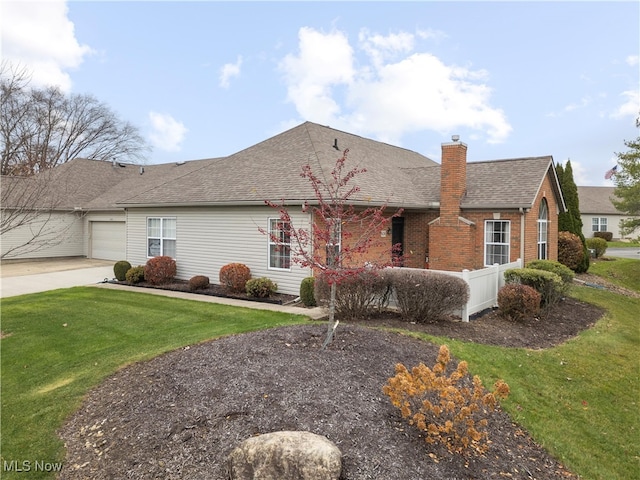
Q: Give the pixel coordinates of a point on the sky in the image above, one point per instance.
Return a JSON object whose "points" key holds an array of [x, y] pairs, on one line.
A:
{"points": [[206, 79]]}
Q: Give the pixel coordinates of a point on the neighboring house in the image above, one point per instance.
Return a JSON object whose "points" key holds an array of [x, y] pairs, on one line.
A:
{"points": [[207, 213], [598, 213]]}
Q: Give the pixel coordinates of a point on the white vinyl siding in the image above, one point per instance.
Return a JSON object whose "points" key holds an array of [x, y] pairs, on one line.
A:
{"points": [[58, 234], [208, 238]]}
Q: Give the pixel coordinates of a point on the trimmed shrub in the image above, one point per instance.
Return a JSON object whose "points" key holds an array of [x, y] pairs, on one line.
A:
{"points": [[606, 236], [234, 277], [448, 409], [135, 275], [260, 287], [598, 245], [570, 250], [159, 270], [198, 282], [306, 292], [120, 270], [548, 284], [424, 296], [517, 302], [357, 295], [564, 272]]}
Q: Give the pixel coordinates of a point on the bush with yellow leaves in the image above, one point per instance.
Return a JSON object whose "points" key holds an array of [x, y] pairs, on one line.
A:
{"points": [[448, 409]]}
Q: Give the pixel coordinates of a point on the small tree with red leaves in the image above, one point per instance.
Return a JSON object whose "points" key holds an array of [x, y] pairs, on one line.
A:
{"points": [[328, 249]]}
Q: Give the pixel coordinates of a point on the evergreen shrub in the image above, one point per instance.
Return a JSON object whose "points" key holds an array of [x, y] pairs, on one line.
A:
{"points": [[598, 245], [548, 284], [120, 270], [261, 287], [306, 292], [565, 273], [135, 275]]}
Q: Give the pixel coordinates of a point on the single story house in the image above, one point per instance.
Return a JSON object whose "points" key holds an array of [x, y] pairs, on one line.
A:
{"points": [[207, 213], [598, 213]]}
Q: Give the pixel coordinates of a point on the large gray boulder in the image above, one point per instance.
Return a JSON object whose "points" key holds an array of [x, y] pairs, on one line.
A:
{"points": [[285, 456]]}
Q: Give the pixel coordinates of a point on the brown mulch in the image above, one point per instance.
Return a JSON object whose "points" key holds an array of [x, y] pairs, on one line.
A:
{"points": [[179, 415]]}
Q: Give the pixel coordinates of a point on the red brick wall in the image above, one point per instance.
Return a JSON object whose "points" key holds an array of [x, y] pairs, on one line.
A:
{"points": [[453, 180], [452, 247], [416, 237]]}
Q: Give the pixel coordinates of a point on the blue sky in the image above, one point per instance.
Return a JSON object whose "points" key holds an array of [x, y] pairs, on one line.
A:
{"points": [[207, 79]]}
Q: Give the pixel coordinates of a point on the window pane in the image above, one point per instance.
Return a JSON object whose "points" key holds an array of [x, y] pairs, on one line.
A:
{"points": [[169, 228], [594, 224], [153, 227], [169, 247], [153, 247]]}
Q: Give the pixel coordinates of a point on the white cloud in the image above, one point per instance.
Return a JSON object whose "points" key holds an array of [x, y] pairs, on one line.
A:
{"points": [[167, 133], [324, 61], [40, 37], [632, 60], [392, 91], [229, 70], [631, 107]]}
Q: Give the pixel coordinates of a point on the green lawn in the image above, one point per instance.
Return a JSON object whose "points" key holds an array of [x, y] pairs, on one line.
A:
{"points": [[579, 400], [63, 343], [624, 272]]}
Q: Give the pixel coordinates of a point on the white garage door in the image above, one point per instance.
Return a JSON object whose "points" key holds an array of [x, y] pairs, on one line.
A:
{"points": [[108, 240]]}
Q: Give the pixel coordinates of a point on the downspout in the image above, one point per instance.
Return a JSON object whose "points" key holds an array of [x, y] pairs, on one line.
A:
{"points": [[523, 212]]}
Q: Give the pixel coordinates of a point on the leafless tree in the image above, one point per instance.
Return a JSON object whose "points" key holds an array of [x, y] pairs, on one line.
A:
{"points": [[41, 128]]}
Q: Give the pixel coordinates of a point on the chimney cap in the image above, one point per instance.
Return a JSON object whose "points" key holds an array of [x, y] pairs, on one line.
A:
{"points": [[455, 138]]}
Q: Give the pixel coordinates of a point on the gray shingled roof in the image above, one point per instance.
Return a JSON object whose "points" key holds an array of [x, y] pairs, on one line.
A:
{"points": [[597, 200], [271, 170]]}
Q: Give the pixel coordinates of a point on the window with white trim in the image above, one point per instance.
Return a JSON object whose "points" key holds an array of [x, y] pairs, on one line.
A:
{"points": [[279, 244], [496, 241], [599, 224], [543, 230], [161, 236]]}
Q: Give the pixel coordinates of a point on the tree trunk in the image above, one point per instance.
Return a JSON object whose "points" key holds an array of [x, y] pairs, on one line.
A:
{"points": [[332, 323]]}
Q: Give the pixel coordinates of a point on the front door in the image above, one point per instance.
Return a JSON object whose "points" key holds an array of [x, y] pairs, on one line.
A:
{"points": [[397, 237]]}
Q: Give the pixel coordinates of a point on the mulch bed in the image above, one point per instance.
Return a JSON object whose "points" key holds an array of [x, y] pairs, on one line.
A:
{"points": [[179, 415]]}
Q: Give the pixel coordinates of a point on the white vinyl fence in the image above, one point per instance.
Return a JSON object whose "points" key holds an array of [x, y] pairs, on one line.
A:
{"points": [[483, 284]]}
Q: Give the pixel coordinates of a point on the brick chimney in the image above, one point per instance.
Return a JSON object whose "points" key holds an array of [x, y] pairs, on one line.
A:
{"points": [[453, 180]]}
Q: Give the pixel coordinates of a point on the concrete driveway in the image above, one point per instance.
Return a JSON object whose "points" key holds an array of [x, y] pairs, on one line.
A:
{"points": [[19, 278]]}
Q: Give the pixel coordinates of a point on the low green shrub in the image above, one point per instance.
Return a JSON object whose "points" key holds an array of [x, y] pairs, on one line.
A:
{"points": [[606, 236], [234, 277], [261, 287], [564, 272], [120, 270], [198, 282], [517, 302], [135, 275], [571, 251], [357, 295], [306, 292], [548, 284], [423, 296], [446, 409], [159, 270], [598, 245]]}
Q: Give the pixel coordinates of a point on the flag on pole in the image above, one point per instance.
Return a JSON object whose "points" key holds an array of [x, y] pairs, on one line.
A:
{"points": [[611, 173]]}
